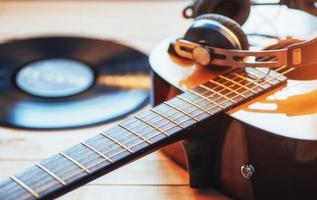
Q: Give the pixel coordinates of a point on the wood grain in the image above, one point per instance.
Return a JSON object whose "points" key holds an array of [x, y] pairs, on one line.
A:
{"points": [[141, 24]]}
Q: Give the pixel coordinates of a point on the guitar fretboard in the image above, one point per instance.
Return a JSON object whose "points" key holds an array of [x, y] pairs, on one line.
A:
{"points": [[137, 136]]}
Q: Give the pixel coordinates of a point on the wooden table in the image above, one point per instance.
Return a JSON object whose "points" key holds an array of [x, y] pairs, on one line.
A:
{"points": [[141, 24]]}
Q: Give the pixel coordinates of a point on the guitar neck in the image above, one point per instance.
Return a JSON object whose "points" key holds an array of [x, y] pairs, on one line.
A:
{"points": [[136, 136]]}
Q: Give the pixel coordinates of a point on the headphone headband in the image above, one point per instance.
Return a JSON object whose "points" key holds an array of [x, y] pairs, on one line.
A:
{"points": [[308, 6], [239, 10], [297, 55]]}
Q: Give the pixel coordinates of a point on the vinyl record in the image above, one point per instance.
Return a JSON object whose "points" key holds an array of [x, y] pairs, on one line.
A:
{"points": [[69, 82]]}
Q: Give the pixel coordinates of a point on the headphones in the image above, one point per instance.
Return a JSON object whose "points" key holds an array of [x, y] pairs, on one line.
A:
{"points": [[216, 38], [239, 10]]}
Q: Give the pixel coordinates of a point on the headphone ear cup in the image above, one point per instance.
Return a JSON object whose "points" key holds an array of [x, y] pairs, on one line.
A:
{"points": [[216, 31], [238, 10]]}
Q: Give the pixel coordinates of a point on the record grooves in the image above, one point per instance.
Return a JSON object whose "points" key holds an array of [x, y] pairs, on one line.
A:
{"points": [[69, 82]]}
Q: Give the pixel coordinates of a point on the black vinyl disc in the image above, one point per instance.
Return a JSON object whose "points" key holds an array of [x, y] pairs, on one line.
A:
{"points": [[69, 82]]}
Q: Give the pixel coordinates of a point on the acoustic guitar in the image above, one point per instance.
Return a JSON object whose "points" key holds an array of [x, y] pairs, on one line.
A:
{"points": [[264, 149], [249, 146], [189, 115]]}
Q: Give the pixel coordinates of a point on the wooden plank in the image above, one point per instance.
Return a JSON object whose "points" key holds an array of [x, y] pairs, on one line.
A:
{"points": [[36, 145], [143, 192], [141, 24]]}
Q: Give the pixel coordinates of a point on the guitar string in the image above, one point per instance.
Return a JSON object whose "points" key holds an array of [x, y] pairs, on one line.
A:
{"points": [[244, 78], [111, 145], [110, 150], [173, 126], [131, 134], [143, 141], [189, 106], [164, 125]]}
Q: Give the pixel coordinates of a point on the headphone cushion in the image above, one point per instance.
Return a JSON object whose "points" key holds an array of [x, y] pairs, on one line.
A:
{"points": [[231, 25], [238, 10]]}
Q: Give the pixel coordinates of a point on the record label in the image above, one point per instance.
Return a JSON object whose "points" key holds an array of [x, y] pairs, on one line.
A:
{"points": [[55, 77]]}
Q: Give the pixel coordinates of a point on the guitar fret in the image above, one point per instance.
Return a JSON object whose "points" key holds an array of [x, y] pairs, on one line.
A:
{"points": [[190, 114], [117, 142], [269, 81], [259, 77], [140, 127], [276, 78], [135, 133], [222, 88], [266, 74], [117, 153], [217, 86], [156, 128], [108, 151], [97, 152], [194, 104], [222, 95], [165, 117], [139, 135], [228, 88], [151, 117], [118, 134], [250, 80], [75, 162], [183, 114], [136, 124], [61, 181], [237, 83], [24, 186], [209, 100], [178, 109], [226, 100], [161, 120], [214, 100]]}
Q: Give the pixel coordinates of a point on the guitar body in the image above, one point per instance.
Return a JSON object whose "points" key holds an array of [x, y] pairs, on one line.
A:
{"points": [[274, 137]]}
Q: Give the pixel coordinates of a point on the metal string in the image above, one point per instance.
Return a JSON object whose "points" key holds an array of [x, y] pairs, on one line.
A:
{"points": [[113, 155], [131, 134], [153, 136], [111, 145], [163, 125]]}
